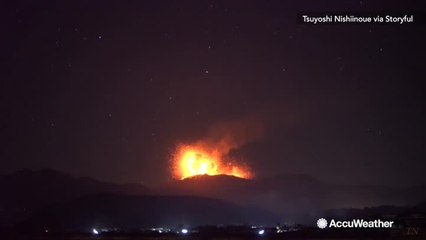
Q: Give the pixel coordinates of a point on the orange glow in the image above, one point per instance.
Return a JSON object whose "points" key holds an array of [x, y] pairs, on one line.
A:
{"points": [[190, 161]]}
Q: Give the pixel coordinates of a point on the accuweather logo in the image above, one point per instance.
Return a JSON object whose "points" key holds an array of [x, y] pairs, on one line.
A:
{"points": [[322, 223], [354, 223]]}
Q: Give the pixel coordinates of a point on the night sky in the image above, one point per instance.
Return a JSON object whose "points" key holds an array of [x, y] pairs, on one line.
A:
{"points": [[109, 88]]}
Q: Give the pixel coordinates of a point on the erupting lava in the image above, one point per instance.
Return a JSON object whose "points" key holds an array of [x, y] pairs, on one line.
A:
{"points": [[191, 160]]}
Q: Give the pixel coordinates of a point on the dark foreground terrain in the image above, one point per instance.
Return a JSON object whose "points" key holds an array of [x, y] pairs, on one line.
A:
{"points": [[231, 233]]}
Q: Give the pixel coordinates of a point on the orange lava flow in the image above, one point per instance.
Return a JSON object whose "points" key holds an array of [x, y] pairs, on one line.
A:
{"points": [[191, 161]]}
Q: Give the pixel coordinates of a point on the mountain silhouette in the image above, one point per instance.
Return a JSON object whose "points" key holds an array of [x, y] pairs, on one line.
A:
{"points": [[26, 191], [295, 196], [137, 211], [49, 194]]}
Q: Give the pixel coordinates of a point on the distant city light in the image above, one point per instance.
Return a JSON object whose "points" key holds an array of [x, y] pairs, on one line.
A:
{"points": [[184, 231], [95, 231], [261, 232], [161, 230]]}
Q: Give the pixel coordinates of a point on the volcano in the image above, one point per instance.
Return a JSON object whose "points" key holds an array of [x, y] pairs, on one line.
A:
{"points": [[199, 159]]}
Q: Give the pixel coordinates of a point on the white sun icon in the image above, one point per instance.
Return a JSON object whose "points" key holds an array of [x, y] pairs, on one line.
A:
{"points": [[322, 223]]}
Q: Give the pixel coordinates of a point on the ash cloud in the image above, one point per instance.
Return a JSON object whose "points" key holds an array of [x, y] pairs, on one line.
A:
{"points": [[225, 136]]}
